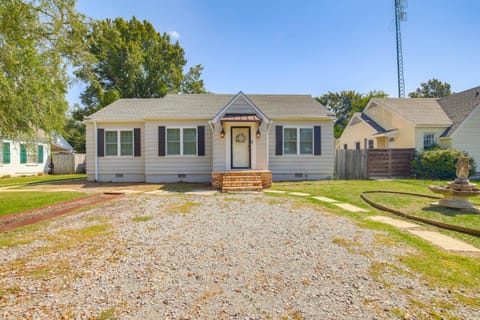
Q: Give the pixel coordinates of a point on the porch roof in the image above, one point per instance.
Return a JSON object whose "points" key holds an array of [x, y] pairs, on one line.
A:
{"points": [[240, 118]]}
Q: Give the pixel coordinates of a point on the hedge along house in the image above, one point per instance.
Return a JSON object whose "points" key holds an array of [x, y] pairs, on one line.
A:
{"points": [[237, 142]]}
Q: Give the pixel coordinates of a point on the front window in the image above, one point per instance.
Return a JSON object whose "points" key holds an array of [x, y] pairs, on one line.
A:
{"points": [[428, 140], [119, 142], [370, 144], [297, 141], [31, 153], [126, 143], [181, 141], [357, 145]]}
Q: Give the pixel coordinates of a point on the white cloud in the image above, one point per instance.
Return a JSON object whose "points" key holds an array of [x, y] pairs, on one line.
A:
{"points": [[174, 35]]}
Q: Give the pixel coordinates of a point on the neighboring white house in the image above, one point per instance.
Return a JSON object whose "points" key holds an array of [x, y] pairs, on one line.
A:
{"points": [[452, 122], [190, 137], [19, 158]]}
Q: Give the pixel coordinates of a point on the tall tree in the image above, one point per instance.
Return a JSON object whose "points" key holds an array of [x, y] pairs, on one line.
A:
{"points": [[433, 88], [345, 103], [38, 40], [133, 60]]}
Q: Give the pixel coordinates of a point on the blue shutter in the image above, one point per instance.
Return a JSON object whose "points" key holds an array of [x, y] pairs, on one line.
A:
{"points": [[6, 152], [161, 141], [40, 154], [136, 142], [201, 140], [278, 140], [317, 140], [100, 142]]}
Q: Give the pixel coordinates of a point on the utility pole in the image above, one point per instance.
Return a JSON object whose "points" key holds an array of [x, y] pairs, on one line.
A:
{"points": [[400, 15]]}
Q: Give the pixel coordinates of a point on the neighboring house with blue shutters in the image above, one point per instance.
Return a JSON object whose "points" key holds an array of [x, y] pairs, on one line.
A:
{"points": [[199, 137], [20, 158]]}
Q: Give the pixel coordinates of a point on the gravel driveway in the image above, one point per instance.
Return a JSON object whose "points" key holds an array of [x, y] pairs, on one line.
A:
{"points": [[245, 256]]}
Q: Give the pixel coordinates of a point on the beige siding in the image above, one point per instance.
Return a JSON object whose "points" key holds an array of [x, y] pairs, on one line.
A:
{"points": [[240, 106], [189, 165], [15, 168], [222, 149], [116, 168], [467, 136], [219, 149], [421, 131], [381, 116], [311, 167], [356, 132]]}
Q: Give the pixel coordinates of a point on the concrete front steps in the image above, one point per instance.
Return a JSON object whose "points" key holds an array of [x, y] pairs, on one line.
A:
{"points": [[240, 181]]}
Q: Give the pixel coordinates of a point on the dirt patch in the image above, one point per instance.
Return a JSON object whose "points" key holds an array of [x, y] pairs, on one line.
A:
{"points": [[24, 218], [98, 187]]}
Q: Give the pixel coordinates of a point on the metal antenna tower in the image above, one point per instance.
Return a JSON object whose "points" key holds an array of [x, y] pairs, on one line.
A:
{"points": [[400, 15]]}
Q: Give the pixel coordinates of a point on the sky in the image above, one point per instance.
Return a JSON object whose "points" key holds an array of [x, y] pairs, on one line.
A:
{"points": [[312, 46]]}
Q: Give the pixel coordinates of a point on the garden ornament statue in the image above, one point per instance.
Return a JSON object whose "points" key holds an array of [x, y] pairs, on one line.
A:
{"points": [[457, 192]]}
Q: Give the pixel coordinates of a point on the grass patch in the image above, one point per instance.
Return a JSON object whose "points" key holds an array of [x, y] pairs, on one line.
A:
{"points": [[459, 274], [32, 180], [182, 208], [12, 202], [142, 218]]}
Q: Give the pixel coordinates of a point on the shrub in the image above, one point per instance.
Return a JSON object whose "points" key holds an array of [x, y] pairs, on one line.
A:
{"points": [[438, 164]]}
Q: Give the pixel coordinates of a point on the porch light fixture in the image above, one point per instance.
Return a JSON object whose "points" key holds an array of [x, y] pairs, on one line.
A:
{"points": [[258, 133], [222, 133]]}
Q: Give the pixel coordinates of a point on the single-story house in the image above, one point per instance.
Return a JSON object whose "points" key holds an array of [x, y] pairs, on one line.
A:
{"points": [[202, 137], [451, 122], [19, 157]]}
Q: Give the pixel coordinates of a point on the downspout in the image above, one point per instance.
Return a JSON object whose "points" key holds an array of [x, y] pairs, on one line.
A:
{"points": [[96, 149]]}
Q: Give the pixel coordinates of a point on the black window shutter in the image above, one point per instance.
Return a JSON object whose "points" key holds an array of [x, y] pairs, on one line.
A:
{"points": [[201, 140], [100, 142], [161, 141], [278, 140], [317, 138], [137, 152]]}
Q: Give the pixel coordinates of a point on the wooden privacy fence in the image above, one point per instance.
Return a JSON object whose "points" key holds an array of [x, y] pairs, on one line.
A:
{"points": [[373, 163], [66, 163]]}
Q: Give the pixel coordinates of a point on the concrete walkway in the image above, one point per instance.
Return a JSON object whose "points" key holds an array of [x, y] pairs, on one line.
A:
{"points": [[436, 238]]}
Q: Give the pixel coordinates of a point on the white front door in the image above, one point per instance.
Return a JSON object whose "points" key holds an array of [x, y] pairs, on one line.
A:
{"points": [[240, 147]]}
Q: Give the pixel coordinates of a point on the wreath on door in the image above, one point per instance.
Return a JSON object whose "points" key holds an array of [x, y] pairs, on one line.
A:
{"points": [[240, 138]]}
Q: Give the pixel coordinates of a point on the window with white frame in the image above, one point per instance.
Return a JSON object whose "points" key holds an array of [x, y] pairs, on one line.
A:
{"points": [[31, 153], [428, 140], [181, 141], [118, 142], [298, 141]]}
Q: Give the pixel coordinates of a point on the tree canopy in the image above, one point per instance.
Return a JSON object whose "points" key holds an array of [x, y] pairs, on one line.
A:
{"points": [[433, 88], [132, 60], [345, 103], [38, 40]]}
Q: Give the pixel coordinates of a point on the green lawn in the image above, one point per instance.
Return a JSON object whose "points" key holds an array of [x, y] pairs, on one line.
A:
{"points": [[12, 202], [456, 273], [25, 181]]}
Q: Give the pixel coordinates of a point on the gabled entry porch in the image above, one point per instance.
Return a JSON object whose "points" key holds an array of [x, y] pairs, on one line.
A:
{"points": [[240, 147]]}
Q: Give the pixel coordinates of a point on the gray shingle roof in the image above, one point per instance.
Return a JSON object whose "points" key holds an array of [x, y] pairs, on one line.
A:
{"points": [[206, 106], [419, 111], [458, 106]]}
